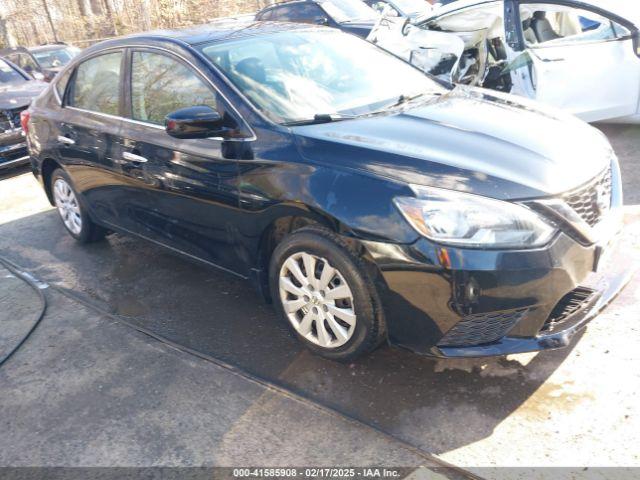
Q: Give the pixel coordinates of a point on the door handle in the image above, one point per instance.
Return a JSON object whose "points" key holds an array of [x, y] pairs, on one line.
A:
{"points": [[66, 140], [132, 157]]}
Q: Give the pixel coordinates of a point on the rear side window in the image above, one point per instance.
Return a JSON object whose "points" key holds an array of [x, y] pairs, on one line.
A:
{"points": [[160, 85], [97, 84]]}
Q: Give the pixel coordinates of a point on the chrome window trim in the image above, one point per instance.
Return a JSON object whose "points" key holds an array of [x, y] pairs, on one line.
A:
{"points": [[253, 136]]}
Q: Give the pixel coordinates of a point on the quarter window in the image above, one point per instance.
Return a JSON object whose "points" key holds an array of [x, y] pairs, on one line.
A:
{"points": [[97, 84], [160, 85]]}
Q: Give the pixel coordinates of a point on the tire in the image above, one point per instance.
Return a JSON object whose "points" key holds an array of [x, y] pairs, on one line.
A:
{"points": [[73, 214], [334, 313]]}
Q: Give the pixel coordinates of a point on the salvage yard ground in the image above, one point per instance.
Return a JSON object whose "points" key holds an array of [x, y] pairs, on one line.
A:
{"points": [[87, 389]]}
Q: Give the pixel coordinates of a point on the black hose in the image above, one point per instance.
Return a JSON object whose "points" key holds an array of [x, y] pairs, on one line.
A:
{"points": [[43, 307]]}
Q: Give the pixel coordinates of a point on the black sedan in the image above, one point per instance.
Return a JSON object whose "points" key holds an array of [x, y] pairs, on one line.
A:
{"points": [[351, 16], [368, 201], [17, 89]]}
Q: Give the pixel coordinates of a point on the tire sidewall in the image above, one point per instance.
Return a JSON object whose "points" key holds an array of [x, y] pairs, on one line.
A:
{"points": [[341, 259], [85, 233]]}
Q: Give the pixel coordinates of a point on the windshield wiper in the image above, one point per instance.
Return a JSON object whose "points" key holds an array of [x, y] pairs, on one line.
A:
{"points": [[320, 118]]}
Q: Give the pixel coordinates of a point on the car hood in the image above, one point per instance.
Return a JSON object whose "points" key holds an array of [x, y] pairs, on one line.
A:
{"points": [[19, 94], [467, 140]]}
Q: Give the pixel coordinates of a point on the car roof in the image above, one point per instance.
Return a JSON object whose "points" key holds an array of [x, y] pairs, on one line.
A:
{"points": [[222, 30], [629, 10], [53, 46]]}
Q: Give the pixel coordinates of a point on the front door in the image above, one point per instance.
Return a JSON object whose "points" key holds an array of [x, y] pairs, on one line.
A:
{"points": [[186, 190], [581, 60]]}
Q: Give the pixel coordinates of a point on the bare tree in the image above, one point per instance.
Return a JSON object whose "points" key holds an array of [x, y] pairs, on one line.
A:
{"points": [[31, 22]]}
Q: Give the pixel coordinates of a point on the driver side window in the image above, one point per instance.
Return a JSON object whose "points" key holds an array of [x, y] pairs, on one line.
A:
{"points": [[161, 85], [551, 25]]}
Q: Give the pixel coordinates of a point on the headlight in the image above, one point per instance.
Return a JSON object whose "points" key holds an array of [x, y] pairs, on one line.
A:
{"points": [[473, 221]]}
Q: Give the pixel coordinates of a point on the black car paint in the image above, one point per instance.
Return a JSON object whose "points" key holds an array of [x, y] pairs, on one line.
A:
{"points": [[251, 190]]}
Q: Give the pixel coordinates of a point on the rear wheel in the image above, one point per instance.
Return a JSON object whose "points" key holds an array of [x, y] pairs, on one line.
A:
{"points": [[73, 215], [322, 290]]}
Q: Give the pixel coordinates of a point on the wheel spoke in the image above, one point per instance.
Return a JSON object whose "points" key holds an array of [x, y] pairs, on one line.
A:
{"points": [[305, 324], [344, 314], [337, 329], [323, 335], [310, 267], [341, 291], [294, 268], [293, 306], [287, 284], [328, 272]]}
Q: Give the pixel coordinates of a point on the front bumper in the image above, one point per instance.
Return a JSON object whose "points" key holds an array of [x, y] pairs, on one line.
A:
{"points": [[453, 303]]}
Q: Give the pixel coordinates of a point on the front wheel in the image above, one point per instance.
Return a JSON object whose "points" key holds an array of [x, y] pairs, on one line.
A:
{"points": [[73, 215], [320, 286]]}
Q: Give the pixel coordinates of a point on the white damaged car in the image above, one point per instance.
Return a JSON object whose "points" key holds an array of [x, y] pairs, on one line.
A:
{"points": [[581, 56]]}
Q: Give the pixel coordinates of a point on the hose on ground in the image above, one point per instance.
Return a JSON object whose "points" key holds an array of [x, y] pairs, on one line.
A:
{"points": [[39, 316]]}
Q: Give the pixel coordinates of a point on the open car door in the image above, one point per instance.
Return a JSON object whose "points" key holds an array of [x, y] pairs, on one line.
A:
{"points": [[583, 59]]}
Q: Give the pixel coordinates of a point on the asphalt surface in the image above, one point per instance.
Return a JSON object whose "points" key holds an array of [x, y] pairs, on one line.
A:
{"points": [[577, 406]]}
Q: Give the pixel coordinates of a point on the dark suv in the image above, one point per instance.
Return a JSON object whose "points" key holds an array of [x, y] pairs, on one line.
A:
{"points": [[365, 199], [351, 16]]}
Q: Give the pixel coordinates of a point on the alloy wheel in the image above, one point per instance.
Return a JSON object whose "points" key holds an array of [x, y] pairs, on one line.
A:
{"points": [[317, 300], [68, 206]]}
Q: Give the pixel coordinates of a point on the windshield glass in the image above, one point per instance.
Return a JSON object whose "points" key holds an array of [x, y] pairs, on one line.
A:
{"points": [[349, 11], [9, 74], [294, 76], [55, 58], [413, 6]]}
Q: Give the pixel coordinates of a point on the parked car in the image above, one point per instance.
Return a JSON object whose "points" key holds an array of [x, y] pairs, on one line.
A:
{"points": [[351, 16], [365, 199], [413, 9], [43, 62], [574, 55], [17, 89]]}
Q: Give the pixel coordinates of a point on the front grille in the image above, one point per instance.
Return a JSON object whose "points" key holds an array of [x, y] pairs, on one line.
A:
{"points": [[482, 328], [592, 201], [10, 119], [569, 305]]}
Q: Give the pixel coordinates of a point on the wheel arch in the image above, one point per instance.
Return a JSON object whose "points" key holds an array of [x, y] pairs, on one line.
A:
{"points": [[290, 222], [49, 165]]}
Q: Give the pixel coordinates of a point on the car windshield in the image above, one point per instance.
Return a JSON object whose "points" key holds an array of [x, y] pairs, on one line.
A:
{"points": [[55, 58], [296, 76], [344, 11], [8, 74], [413, 6]]}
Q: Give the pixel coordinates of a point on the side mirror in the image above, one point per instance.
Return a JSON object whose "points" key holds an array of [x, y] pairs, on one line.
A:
{"points": [[196, 122], [321, 21]]}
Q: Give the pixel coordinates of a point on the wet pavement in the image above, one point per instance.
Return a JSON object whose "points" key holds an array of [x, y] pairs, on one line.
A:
{"points": [[567, 407]]}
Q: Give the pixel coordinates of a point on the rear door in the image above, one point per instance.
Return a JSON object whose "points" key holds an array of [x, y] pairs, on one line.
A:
{"points": [[87, 132], [583, 61], [184, 193]]}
